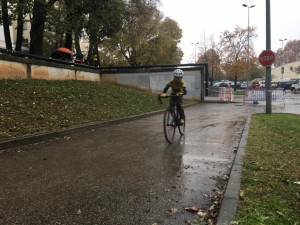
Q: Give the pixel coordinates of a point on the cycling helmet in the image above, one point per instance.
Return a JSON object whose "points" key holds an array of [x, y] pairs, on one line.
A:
{"points": [[178, 73]]}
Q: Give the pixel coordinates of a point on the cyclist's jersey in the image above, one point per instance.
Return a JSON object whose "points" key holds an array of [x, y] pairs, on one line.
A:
{"points": [[176, 87]]}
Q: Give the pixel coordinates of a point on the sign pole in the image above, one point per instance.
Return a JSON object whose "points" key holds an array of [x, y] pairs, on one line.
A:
{"points": [[268, 68]]}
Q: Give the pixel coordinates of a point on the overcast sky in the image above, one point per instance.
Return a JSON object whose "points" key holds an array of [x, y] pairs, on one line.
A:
{"points": [[199, 17]]}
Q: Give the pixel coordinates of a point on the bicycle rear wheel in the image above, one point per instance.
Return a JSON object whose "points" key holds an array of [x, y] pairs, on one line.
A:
{"points": [[181, 127], [169, 126]]}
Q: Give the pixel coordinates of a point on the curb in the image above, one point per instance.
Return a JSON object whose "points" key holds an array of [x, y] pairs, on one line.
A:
{"points": [[78, 129], [230, 200], [59, 133]]}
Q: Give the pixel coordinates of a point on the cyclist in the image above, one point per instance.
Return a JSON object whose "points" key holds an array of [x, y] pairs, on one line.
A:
{"points": [[178, 89]]}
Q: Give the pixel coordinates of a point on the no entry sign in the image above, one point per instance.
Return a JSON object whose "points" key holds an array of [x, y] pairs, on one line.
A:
{"points": [[266, 58]]}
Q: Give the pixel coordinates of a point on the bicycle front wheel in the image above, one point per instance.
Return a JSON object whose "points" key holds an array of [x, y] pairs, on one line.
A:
{"points": [[181, 127], [169, 126]]}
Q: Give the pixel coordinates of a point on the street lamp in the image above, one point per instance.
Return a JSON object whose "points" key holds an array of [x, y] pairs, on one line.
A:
{"points": [[195, 50], [282, 68], [248, 43], [282, 42]]}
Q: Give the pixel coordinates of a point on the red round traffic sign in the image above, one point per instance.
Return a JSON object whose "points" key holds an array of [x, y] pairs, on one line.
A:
{"points": [[266, 57]]}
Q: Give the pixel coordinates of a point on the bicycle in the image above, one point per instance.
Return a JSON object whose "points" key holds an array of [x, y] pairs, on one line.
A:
{"points": [[172, 120]]}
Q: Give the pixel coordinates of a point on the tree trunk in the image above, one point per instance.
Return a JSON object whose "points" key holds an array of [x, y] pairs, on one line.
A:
{"points": [[39, 13], [69, 39], [235, 81], [6, 25], [68, 43], [20, 26], [76, 38], [38, 19], [212, 75]]}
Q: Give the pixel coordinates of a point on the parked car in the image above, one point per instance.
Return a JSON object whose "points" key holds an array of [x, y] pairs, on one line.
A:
{"points": [[238, 84], [221, 84], [263, 84], [244, 85], [296, 85], [286, 84], [274, 84]]}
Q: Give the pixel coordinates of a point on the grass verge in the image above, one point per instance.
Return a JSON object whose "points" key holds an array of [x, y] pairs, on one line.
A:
{"points": [[270, 188], [34, 106], [239, 92]]}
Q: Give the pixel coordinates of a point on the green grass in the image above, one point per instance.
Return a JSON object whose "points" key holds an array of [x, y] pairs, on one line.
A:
{"points": [[269, 194], [33, 106], [239, 92]]}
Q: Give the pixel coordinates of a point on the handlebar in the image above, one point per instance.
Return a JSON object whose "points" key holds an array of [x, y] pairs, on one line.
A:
{"points": [[167, 96]]}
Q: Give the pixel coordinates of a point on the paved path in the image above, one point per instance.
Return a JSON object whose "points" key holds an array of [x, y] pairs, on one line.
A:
{"points": [[126, 173]]}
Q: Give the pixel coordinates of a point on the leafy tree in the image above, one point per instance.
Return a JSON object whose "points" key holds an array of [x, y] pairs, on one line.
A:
{"points": [[139, 33], [162, 49], [110, 55], [55, 29], [146, 38], [78, 20], [104, 19], [235, 46]]}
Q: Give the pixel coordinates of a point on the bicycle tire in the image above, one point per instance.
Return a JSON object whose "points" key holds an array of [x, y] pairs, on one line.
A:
{"points": [[169, 126], [181, 127]]}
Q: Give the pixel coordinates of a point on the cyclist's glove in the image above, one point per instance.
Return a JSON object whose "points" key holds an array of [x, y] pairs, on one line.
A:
{"points": [[163, 95]]}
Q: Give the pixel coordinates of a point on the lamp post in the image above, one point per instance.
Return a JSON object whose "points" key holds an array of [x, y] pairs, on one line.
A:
{"points": [[248, 43], [195, 50], [282, 68]]}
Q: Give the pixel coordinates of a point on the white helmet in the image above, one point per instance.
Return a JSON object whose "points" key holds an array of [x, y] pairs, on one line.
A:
{"points": [[178, 73]]}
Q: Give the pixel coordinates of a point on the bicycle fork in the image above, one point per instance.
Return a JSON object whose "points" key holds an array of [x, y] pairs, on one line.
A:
{"points": [[172, 111]]}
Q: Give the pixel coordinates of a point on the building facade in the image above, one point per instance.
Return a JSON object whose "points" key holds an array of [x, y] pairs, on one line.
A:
{"points": [[13, 35], [289, 71]]}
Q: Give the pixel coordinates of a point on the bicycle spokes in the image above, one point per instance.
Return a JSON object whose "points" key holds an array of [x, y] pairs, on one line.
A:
{"points": [[169, 126], [171, 121]]}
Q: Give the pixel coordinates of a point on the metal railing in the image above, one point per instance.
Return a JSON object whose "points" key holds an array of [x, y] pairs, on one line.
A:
{"points": [[46, 59]]}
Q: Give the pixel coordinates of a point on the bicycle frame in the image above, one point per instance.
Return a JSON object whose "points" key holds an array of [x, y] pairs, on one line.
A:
{"points": [[171, 121]]}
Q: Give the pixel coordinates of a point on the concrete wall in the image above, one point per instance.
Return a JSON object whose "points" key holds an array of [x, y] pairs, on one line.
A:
{"points": [[52, 73], [13, 70], [156, 81]]}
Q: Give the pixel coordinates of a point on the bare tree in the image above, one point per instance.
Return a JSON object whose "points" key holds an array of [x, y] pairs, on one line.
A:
{"points": [[290, 53], [208, 52]]}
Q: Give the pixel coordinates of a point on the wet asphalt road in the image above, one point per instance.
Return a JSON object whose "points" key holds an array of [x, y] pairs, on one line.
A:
{"points": [[125, 173]]}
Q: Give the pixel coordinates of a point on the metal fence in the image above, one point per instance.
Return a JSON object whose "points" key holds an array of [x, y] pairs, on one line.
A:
{"points": [[222, 93], [256, 95]]}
